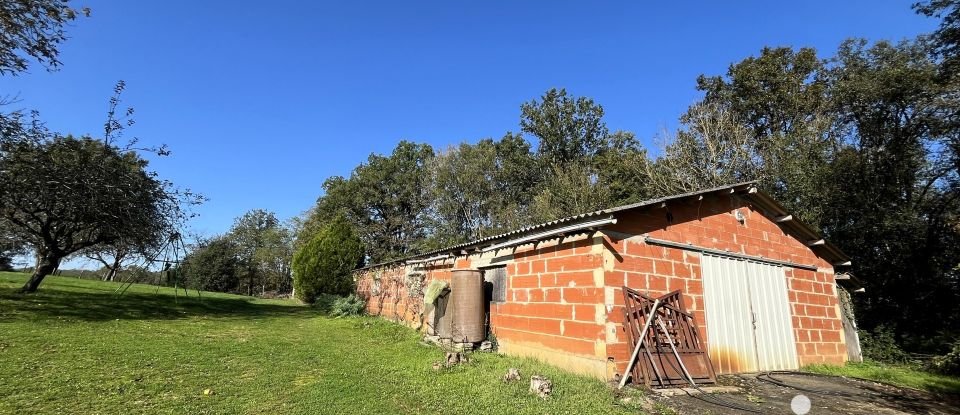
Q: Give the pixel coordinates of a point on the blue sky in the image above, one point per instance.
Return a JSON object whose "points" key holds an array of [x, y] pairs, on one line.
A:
{"points": [[261, 101]]}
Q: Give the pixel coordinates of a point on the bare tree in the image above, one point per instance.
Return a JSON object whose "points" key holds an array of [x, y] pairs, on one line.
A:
{"points": [[712, 149]]}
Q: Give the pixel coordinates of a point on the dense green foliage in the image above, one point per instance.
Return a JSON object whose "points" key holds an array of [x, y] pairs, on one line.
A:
{"points": [[155, 354], [880, 345], [214, 265], [947, 37], [61, 195], [264, 250], [324, 264], [386, 198], [253, 258], [949, 363]]}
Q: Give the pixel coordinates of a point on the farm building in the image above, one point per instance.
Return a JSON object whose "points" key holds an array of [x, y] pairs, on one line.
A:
{"points": [[759, 284]]}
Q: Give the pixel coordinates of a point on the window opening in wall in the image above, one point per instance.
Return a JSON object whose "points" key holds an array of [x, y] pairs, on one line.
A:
{"points": [[495, 284], [494, 290]]}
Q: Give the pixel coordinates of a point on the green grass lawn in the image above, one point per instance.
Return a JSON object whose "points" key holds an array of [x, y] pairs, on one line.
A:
{"points": [[75, 347], [900, 375]]}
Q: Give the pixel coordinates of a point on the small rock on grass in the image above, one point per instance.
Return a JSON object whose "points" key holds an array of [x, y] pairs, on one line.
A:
{"points": [[541, 386], [512, 375]]}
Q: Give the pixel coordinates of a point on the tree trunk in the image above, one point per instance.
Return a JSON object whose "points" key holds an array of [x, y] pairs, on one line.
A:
{"points": [[46, 264], [250, 282], [115, 268]]}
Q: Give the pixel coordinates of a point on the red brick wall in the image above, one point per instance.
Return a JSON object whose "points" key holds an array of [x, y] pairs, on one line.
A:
{"points": [[554, 300], [554, 305]]}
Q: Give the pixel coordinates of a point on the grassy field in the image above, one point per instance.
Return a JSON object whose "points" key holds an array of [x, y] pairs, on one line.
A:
{"points": [[75, 347], [900, 375]]}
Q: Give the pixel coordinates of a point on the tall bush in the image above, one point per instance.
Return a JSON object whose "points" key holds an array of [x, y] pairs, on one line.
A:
{"points": [[324, 264], [213, 266]]}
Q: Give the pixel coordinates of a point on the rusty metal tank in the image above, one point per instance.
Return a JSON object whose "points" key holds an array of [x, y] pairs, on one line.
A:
{"points": [[466, 302]]}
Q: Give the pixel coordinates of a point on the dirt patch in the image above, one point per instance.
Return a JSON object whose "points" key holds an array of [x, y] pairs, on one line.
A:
{"points": [[826, 394]]}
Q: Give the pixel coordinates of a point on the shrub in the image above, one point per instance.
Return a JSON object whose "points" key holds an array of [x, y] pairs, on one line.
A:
{"points": [[948, 364], [6, 263], [880, 345], [324, 264], [324, 302], [350, 305], [213, 266]]}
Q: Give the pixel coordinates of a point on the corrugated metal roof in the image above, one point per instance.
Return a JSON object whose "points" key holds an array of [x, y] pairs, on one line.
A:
{"points": [[737, 187]]}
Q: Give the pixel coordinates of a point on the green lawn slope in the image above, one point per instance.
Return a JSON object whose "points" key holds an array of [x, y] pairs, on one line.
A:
{"points": [[76, 347]]}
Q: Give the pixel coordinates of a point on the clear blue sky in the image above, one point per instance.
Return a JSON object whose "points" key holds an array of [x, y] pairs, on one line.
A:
{"points": [[260, 101]]}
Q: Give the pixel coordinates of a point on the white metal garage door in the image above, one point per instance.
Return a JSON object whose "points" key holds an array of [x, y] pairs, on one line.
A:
{"points": [[749, 327]]}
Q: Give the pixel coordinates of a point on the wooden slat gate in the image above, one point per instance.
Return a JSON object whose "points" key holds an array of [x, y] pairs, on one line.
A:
{"points": [[657, 365]]}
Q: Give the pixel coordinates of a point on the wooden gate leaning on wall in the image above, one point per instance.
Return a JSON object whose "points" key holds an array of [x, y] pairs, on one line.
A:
{"points": [[657, 366]]}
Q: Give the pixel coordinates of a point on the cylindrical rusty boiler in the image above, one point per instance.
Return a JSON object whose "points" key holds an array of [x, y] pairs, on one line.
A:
{"points": [[466, 302]]}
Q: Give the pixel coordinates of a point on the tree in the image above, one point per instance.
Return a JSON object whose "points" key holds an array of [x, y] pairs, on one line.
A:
{"points": [[781, 98], [394, 197], [10, 247], [946, 47], [62, 195], [274, 257], [324, 264], [514, 180], [896, 187], [567, 128], [213, 266], [946, 39], [620, 170], [570, 189], [712, 149], [265, 249], [249, 233], [33, 29], [387, 199], [463, 192], [67, 194], [112, 257]]}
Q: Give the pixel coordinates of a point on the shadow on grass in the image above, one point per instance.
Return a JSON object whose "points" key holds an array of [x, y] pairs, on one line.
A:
{"points": [[54, 303]]}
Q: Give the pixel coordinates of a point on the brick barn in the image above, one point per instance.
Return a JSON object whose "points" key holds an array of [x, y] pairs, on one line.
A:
{"points": [[760, 284]]}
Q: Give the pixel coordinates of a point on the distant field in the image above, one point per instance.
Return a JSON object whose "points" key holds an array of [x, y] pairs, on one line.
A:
{"points": [[75, 347]]}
